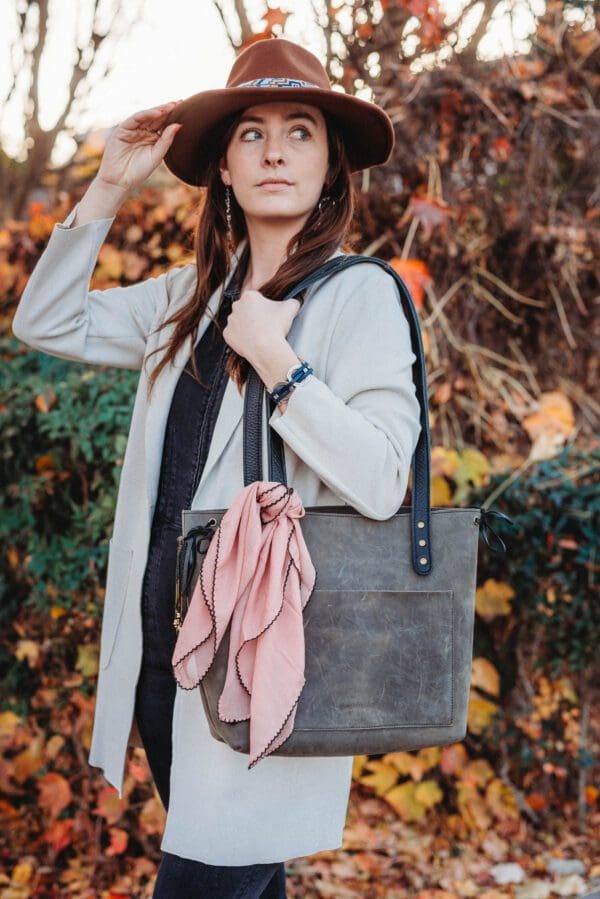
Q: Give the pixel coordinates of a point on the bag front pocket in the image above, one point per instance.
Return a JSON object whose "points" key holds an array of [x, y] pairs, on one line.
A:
{"points": [[378, 658], [117, 579]]}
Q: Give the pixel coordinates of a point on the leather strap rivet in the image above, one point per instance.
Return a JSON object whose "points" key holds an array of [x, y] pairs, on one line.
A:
{"points": [[420, 524], [423, 560], [422, 542]]}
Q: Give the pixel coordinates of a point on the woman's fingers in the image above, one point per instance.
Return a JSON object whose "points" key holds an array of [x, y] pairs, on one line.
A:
{"points": [[146, 117], [166, 138], [152, 115]]}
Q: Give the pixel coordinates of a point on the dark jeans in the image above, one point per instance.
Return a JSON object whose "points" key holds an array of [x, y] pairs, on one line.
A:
{"points": [[181, 878]]}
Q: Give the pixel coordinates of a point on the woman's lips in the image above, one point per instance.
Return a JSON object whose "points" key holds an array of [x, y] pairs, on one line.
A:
{"points": [[274, 185]]}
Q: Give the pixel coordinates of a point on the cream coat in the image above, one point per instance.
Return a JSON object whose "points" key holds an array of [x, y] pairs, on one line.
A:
{"points": [[349, 432]]}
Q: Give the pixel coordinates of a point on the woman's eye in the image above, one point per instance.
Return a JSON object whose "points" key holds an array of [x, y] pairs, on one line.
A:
{"points": [[248, 131], [243, 135]]}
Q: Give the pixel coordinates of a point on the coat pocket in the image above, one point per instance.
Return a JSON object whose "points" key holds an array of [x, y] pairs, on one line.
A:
{"points": [[117, 579]]}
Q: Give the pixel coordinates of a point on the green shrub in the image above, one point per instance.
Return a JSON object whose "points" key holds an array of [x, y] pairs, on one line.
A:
{"points": [[552, 560], [64, 428]]}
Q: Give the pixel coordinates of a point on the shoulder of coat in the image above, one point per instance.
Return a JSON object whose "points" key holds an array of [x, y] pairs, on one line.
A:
{"points": [[366, 277], [181, 282]]}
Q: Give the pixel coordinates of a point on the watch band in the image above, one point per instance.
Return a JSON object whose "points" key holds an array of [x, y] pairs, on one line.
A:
{"points": [[295, 375], [292, 369]]}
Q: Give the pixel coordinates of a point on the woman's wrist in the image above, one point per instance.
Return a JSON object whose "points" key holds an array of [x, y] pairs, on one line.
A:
{"points": [[273, 366], [100, 201]]}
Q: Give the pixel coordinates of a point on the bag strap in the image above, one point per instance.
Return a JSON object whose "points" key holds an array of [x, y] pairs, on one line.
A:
{"points": [[421, 460]]}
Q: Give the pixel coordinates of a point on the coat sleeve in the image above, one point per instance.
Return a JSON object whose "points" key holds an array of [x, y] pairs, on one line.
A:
{"points": [[357, 427], [58, 314]]}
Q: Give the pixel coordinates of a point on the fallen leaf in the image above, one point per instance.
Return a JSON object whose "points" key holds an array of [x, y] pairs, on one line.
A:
{"points": [[59, 834], [119, 840], [480, 712], [428, 793], [28, 650], [554, 415], [485, 676], [109, 805], [493, 598], [382, 778], [21, 873], [30, 760], [87, 659], [55, 793], [152, 816], [403, 799], [415, 274]]}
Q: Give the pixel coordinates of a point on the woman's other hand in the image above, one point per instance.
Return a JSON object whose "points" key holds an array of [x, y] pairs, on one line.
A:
{"points": [[257, 325], [136, 147]]}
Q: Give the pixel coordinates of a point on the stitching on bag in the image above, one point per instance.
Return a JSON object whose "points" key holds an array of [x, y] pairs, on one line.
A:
{"points": [[327, 730], [453, 661], [382, 590], [356, 514]]}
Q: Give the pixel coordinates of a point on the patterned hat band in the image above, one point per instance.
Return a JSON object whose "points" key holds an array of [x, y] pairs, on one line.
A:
{"points": [[278, 82]]}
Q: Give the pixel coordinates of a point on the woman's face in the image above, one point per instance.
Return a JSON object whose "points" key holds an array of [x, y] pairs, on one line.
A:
{"points": [[277, 160]]}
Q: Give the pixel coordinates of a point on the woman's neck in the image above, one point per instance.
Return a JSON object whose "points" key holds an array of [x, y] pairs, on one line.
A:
{"points": [[268, 250]]}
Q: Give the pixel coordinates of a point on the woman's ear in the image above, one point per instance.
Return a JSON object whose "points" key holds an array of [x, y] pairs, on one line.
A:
{"points": [[329, 179], [224, 172]]}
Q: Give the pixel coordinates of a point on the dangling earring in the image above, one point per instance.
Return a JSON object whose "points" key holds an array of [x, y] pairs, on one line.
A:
{"points": [[325, 199], [228, 217]]}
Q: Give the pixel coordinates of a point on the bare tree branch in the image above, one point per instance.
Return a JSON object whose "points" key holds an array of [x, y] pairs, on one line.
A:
{"points": [[245, 27], [17, 180], [469, 53]]}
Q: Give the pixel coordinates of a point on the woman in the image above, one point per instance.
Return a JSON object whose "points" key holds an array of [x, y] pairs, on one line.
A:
{"points": [[275, 149]]}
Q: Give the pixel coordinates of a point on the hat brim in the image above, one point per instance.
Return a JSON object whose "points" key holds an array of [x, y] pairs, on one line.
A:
{"points": [[366, 129]]}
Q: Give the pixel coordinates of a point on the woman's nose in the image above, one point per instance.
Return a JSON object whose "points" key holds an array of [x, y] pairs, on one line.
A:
{"points": [[273, 152]]}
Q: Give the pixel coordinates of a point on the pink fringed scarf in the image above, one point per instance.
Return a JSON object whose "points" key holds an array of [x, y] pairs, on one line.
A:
{"points": [[258, 575]]}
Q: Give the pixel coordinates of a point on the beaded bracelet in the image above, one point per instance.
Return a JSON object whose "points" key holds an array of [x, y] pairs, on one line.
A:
{"points": [[296, 374]]}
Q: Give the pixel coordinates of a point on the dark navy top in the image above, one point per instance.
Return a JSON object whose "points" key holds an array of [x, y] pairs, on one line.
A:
{"points": [[185, 449]]}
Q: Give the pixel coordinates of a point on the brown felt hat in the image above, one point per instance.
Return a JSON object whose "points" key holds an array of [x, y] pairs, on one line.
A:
{"points": [[271, 70]]}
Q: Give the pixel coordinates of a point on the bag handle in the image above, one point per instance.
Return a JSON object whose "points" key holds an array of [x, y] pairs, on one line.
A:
{"points": [[421, 461]]}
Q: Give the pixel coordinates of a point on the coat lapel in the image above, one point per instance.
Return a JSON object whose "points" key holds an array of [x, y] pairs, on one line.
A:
{"points": [[162, 394], [230, 414]]}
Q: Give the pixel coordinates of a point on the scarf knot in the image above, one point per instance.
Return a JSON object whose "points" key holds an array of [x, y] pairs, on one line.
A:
{"points": [[279, 499]]}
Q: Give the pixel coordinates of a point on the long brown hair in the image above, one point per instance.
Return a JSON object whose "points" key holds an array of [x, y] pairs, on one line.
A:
{"points": [[324, 232]]}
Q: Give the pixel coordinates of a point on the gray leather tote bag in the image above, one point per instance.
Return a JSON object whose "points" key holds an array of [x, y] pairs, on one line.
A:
{"points": [[389, 626]]}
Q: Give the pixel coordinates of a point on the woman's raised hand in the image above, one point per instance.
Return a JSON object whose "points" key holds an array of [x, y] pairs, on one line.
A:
{"points": [[136, 147]]}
